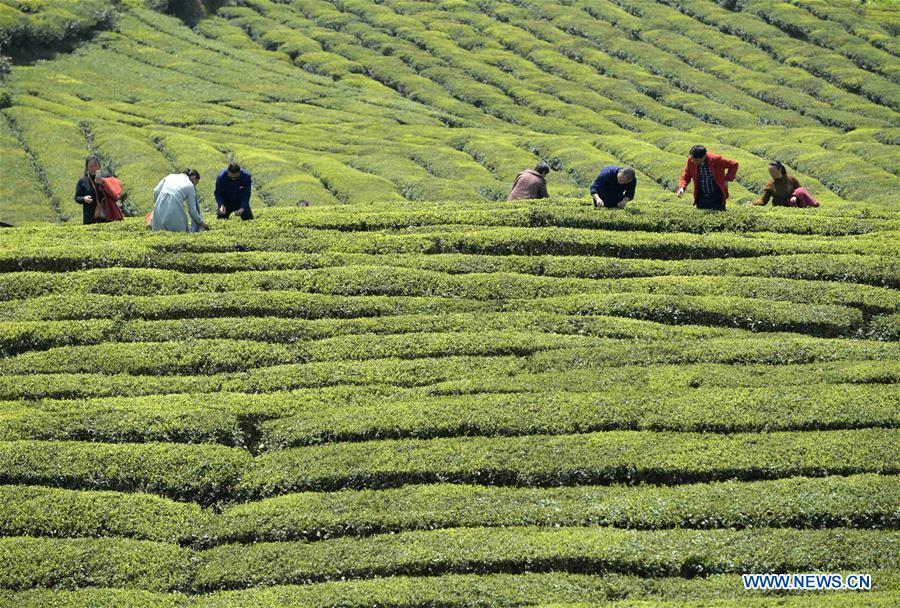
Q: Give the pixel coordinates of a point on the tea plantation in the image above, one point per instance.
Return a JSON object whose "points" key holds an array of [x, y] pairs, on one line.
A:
{"points": [[454, 404], [416, 394]]}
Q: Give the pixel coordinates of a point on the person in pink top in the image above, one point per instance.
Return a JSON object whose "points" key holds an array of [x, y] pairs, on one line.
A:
{"points": [[785, 190]]}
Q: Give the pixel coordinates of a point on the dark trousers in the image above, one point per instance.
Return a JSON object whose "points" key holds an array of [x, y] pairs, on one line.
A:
{"points": [[88, 210], [229, 209], [714, 200]]}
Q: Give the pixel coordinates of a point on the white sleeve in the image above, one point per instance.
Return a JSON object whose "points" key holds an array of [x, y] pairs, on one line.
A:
{"points": [[157, 190], [193, 206]]}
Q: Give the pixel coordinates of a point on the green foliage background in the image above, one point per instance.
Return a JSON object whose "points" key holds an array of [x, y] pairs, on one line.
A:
{"points": [[353, 101]]}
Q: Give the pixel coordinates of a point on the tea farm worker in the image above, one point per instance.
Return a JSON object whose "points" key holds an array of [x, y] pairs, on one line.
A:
{"points": [[710, 174], [785, 190], [530, 183], [614, 187], [87, 193], [169, 197], [232, 193]]}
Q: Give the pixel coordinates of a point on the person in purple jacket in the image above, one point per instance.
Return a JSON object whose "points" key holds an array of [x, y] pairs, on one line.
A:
{"points": [[614, 187], [233, 186]]}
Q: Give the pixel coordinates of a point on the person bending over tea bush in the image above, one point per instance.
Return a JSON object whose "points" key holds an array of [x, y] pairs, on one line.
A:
{"points": [[168, 203], [614, 187], [784, 190], [233, 186], [530, 183]]}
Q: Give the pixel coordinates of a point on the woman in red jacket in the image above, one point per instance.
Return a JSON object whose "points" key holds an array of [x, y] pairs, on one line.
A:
{"points": [[711, 174]]}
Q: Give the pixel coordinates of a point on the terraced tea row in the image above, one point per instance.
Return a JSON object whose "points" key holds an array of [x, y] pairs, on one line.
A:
{"points": [[157, 566], [456, 375], [301, 419], [859, 501], [208, 473], [399, 281], [549, 350]]}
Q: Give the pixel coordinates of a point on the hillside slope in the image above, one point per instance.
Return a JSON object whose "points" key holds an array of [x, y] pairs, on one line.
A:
{"points": [[353, 100]]}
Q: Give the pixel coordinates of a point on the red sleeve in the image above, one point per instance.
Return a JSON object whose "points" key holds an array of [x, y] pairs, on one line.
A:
{"points": [[685, 175], [731, 169]]}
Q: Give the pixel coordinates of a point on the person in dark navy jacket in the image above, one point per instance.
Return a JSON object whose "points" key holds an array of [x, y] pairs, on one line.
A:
{"points": [[614, 187], [232, 193]]}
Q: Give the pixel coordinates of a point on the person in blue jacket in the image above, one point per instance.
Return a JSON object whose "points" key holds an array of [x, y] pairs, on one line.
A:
{"points": [[233, 186], [614, 187]]}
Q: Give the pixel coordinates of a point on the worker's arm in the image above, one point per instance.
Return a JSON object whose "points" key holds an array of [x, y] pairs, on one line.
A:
{"points": [[731, 169], [685, 178]]}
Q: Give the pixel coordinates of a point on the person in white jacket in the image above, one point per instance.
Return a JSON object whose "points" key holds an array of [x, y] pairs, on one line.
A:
{"points": [[168, 203]]}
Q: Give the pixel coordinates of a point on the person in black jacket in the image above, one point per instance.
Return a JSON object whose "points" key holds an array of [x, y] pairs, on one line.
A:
{"points": [[233, 186], [87, 192]]}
